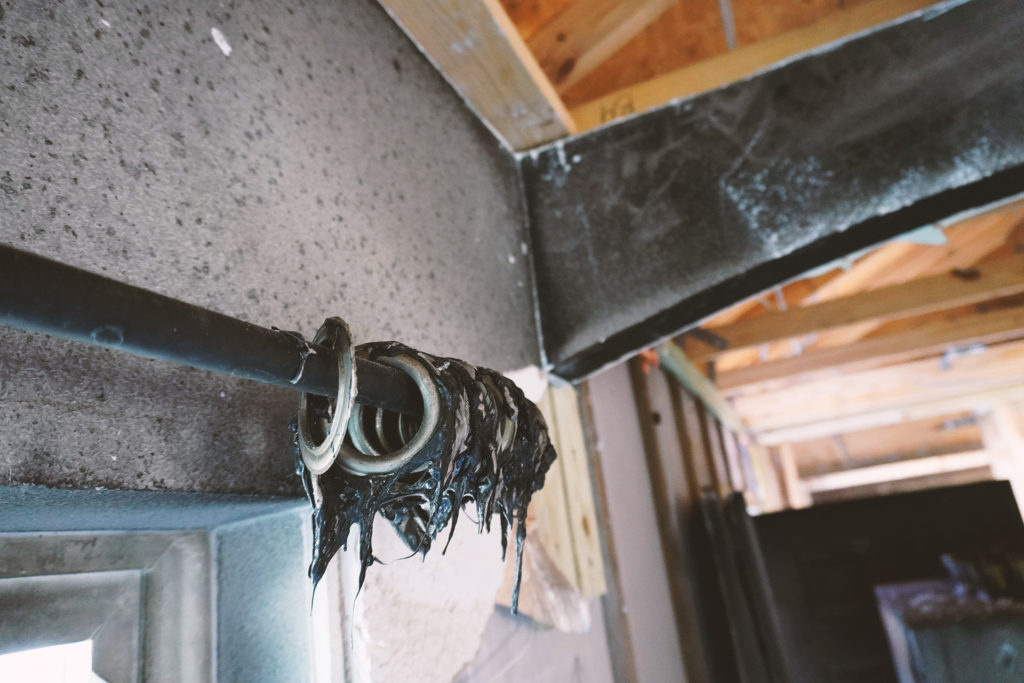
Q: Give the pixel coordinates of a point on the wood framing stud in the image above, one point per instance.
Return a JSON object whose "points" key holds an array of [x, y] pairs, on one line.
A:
{"points": [[796, 490]]}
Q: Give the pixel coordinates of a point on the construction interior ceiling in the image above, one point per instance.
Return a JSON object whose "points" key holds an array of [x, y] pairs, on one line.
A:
{"points": [[896, 364]]}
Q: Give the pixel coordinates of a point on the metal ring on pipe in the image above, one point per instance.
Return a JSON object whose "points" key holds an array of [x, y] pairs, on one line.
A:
{"points": [[318, 457], [358, 463], [358, 435]]}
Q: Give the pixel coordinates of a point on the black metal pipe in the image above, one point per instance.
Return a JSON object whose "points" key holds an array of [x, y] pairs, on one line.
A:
{"points": [[42, 295]]}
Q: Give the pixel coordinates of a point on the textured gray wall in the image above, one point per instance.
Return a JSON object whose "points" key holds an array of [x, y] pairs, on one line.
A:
{"points": [[322, 168]]}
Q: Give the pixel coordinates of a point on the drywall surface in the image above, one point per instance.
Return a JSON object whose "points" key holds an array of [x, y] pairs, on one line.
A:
{"points": [[646, 605], [646, 226], [278, 162]]}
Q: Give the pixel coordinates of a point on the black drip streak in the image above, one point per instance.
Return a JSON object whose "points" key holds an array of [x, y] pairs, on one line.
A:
{"points": [[457, 467]]}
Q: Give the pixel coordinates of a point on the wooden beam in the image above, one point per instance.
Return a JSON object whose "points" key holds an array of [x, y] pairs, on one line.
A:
{"points": [[929, 339], [924, 295], [1003, 435], [674, 360], [742, 62], [530, 17], [474, 44], [890, 488], [684, 34], [885, 396], [871, 418], [967, 242], [796, 490], [549, 517], [903, 469], [579, 495], [566, 521], [587, 33], [940, 435], [892, 387], [767, 476]]}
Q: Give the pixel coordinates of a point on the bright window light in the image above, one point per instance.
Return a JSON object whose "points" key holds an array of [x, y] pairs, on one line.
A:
{"points": [[68, 663]]}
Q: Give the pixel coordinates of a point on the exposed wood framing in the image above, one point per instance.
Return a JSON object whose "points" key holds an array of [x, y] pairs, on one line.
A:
{"points": [[734, 459], [684, 34], [878, 389], [585, 34], [689, 422], [931, 338], [740, 63], [564, 508], [1002, 277], [904, 469], [770, 487], [967, 242], [474, 44], [722, 437], [571, 445], [940, 435], [674, 360], [797, 492], [871, 417], [1002, 429], [889, 488]]}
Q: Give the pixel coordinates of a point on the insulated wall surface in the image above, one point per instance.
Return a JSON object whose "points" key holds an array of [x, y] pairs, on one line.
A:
{"points": [[277, 162]]}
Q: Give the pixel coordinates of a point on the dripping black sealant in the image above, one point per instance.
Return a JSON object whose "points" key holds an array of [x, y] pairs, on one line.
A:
{"points": [[490, 448]]}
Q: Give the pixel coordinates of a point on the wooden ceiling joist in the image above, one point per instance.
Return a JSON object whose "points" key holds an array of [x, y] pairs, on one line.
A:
{"points": [[939, 435], [960, 287], [872, 417], [588, 32], [884, 396], [476, 46], [904, 469], [967, 243], [742, 62], [932, 338]]}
